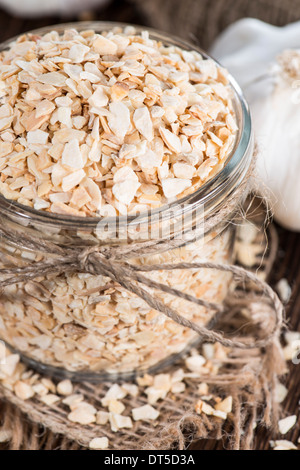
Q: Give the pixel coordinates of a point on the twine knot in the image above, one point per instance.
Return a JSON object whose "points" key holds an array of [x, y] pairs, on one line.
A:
{"points": [[85, 263]]}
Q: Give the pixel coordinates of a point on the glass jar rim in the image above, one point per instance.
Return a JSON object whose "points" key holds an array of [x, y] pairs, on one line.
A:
{"points": [[209, 194]]}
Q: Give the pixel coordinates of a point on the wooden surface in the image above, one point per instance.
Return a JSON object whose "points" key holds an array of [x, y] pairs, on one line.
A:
{"points": [[288, 259]]}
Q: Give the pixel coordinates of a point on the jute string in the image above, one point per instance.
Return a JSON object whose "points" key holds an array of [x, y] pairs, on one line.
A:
{"points": [[249, 376], [112, 262]]}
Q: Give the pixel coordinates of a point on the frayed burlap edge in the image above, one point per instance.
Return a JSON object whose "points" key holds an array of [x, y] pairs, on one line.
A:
{"points": [[250, 377]]}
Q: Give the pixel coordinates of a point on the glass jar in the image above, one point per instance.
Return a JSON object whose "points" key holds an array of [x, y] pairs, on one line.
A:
{"points": [[87, 327]]}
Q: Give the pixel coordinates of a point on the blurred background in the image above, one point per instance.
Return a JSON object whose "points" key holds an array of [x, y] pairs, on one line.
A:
{"points": [[197, 20]]}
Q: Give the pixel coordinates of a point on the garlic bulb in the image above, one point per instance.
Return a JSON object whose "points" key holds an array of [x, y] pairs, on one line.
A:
{"points": [[34, 8], [271, 83], [277, 122]]}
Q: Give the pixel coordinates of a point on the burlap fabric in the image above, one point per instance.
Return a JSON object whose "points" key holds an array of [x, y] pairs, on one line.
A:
{"points": [[200, 21], [250, 377]]}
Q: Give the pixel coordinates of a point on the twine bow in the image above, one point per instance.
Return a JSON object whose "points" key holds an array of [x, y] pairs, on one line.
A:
{"points": [[112, 262]]}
